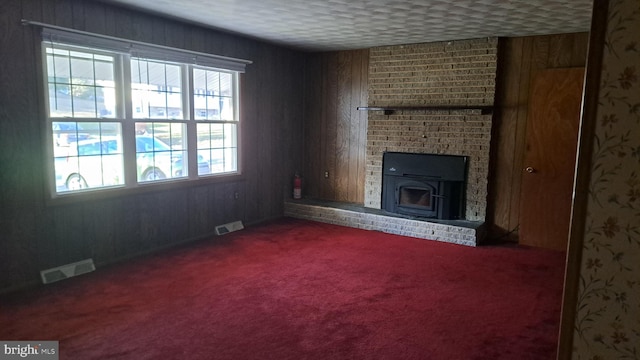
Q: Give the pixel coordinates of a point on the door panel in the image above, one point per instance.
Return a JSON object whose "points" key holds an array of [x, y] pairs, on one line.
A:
{"points": [[549, 160]]}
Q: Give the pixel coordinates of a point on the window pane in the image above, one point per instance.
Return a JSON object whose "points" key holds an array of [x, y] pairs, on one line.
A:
{"points": [[173, 77], [82, 71], [105, 89], [217, 161], [217, 146], [217, 135], [226, 109], [230, 136], [156, 90], [139, 74], [204, 163], [106, 102], [226, 84], [81, 84], [230, 159], [160, 151], [87, 155], [213, 83], [104, 73], [83, 101], [60, 100], [199, 81], [213, 91]]}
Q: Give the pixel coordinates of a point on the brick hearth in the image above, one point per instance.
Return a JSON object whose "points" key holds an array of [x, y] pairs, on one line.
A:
{"points": [[460, 232]]}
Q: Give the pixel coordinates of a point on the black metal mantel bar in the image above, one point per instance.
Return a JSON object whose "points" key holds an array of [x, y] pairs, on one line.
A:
{"points": [[388, 110]]}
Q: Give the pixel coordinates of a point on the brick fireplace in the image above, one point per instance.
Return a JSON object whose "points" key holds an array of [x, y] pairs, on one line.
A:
{"points": [[418, 81], [456, 73]]}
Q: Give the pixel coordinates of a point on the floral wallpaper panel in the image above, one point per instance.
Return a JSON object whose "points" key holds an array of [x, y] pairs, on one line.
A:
{"points": [[608, 308]]}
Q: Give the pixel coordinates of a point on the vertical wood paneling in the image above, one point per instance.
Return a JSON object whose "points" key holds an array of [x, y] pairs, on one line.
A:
{"points": [[119, 22], [265, 154], [560, 53], [37, 235], [524, 73], [128, 229], [312, 166], [341, 174], [98, 15], [249, 139], [335, 132], [99, 225], [362, 127], [355, 191], [504, 129], [11, 70], [320, 107], [522, 59], [63, 13], [77, 14], [331, 126], [579, 48], [198, 218], [143, 28]]}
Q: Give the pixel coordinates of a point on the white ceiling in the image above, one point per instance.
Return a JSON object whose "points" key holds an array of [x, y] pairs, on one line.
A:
{"points": [[323, 25]]}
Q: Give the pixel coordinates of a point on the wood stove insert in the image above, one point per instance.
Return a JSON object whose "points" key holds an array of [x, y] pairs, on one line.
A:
{"points": [[424, 185]]}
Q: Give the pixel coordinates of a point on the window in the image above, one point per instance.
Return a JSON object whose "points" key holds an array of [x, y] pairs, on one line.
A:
{"points": [[217, 139], [127, 114]]}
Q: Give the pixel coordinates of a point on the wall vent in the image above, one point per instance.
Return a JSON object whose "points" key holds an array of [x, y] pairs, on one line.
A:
{"points": [[66, 271], [230, 227]]}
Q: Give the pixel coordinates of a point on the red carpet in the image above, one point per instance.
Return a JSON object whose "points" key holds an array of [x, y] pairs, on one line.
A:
{"points": [[296, 289]]}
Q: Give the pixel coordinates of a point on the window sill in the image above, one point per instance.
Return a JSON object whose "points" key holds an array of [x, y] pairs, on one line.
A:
{"points": [[145, 188]]}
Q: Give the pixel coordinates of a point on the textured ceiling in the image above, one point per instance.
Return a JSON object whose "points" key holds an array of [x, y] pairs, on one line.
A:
{"points": [[322, 25]]}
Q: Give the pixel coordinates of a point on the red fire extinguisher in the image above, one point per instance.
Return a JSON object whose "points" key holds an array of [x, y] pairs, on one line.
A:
{"points": [[297, 186]]}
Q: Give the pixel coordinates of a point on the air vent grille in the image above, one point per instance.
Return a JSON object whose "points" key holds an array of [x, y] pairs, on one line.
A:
{"points": [[66, 271], [229, 227]]}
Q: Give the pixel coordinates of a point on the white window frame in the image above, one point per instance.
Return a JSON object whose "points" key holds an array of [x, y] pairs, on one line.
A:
{"points": [[123, 51]]}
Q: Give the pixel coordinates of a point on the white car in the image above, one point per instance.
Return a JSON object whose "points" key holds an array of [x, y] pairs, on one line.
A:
{"points": [[98, 162]]}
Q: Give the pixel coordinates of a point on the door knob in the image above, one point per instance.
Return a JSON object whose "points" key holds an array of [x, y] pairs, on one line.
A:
{"points": [[530, 170]]}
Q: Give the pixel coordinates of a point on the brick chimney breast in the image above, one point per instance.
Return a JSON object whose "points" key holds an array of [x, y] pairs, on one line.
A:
{"points": [[456, 73]]}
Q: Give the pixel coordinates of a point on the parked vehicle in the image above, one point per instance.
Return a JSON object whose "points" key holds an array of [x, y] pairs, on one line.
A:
{"points": [[93, 162], [98, 162], [156, 160], [68, 132]]}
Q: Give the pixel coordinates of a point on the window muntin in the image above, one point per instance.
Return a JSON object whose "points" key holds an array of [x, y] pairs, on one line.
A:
{"points": [[156, 89], [80, 84], [87, 91], [91, 158], [213, 95], [214, 100], [218, 145], [160, 151]]}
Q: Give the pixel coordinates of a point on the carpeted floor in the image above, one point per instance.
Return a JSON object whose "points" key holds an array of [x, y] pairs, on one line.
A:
{"points": [[296, 289]]}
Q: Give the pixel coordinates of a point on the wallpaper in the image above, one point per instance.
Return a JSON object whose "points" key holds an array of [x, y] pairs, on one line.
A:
{"points": [[608, 306]]}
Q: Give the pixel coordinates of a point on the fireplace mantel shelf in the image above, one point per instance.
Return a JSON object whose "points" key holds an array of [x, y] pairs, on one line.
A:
{"points": [[388, 110]]}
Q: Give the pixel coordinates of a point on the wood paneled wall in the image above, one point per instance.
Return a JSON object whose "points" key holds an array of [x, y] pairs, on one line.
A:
{"points": [[335, 133], [36, 235], [519, 60]]}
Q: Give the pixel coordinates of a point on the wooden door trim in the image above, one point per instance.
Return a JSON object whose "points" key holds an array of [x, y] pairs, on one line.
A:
{"points": [[597, 35]]}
